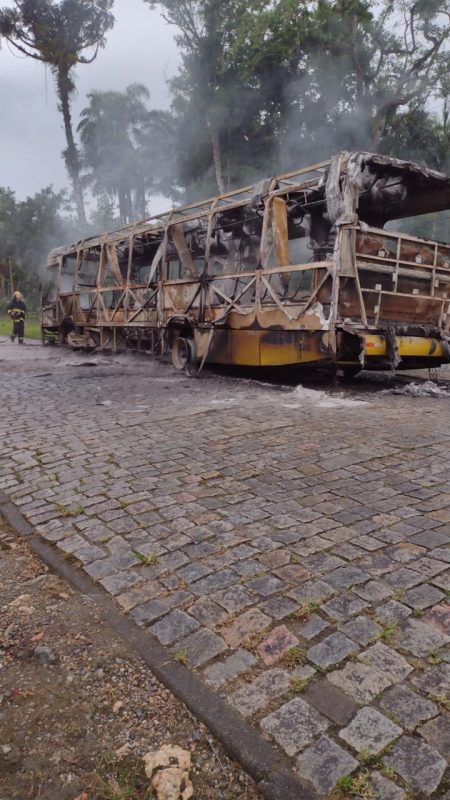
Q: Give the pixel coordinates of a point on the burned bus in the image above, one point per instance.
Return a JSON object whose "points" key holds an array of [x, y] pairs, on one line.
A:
{"points": [[335, 264]]}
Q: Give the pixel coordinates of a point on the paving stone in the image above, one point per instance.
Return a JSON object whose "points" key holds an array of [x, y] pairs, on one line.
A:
{"points": [[245, 626], [141, 594], [100, 569], [370, 731], [303, 673], [153, 609], [420, 765], [292, 573], [430, 567], [387, 661], [441, 553], [331, 701], [385, 789], [437, 733], [348, 551], [234, 599], [378, 564], [222, 672], [430, 539], [115, 584], [276, 644], [435, 680], [403, 578], [374, 591], [439, 617], [311, 590], [331, 650], [247, 569], [207, 611], [294, 725], [89, 553], [322, 562], [265, 585], [74, 543], [279, 607], [408, 707], [313, 627], [344, 606], [201, 647], [360, 681], [173, 626], [422, 596], [211, 583], [361, 629], [323, 763], [346, 577], [193, 572], [442, 581], [275, 558], [393, 611], [421, 639], [254, 696]]}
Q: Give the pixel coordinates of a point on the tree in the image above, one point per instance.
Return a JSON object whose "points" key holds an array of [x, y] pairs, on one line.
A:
{"points": [[126, 149], [418, 136], [343, 68], [270, 84], [29, 229], [219, 130], [62, 35]]}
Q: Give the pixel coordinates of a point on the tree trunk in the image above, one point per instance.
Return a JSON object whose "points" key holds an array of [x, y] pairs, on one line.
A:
{"points": [[71, 156], [217, 155]]}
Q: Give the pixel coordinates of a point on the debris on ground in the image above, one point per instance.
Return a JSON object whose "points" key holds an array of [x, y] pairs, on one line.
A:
{"points": [[169, 770], [425, 389], [79, 709]]}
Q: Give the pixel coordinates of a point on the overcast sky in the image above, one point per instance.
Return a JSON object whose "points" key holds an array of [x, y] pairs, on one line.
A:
{"points": [[140, 48]]}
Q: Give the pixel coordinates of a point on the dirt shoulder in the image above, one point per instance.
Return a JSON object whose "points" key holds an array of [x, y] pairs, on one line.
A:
{"points": [[78, 708]]}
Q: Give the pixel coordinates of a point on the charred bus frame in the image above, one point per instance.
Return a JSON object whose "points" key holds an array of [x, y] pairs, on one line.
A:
{"points": [[296, 269]]}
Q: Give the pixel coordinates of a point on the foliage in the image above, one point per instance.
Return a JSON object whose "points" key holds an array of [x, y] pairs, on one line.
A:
{"points": [[267, 85], [59, 34], [28, 230], [32, 325], [221, 135], [126, 150]]}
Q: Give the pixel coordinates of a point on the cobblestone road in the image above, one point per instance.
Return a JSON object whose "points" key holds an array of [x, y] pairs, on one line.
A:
{"points": [[292, 546]]}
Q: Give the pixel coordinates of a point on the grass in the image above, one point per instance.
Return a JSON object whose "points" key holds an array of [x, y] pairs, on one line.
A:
{"points": [[354, 786], [435, 657], [306, 608], [65, 511], [147, 560], [181, 657], [298, 685], [32, 326], [121, 780], [293, 657], [388, 631]]}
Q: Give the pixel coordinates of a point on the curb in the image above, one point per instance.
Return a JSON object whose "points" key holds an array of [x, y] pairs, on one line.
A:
{"points": [[268, 767]]}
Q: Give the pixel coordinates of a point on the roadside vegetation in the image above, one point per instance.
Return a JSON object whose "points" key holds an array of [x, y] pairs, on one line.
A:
{"points": [[32, 326]]}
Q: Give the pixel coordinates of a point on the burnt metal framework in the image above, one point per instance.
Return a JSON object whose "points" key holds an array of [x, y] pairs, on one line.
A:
{"points": [[295, 269]]}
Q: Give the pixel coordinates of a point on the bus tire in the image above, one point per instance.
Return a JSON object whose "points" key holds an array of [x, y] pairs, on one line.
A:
{"points": [[183, 353]]}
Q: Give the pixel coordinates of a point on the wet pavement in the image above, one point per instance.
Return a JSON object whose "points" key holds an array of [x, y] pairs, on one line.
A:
{"points": [[290, 544]]}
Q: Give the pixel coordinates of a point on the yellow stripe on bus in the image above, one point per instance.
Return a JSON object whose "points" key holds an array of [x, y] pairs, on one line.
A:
{"points": [[419, 346]]}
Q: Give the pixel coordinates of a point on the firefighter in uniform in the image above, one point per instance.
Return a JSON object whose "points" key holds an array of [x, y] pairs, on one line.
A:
{"points": [[17, 311]]}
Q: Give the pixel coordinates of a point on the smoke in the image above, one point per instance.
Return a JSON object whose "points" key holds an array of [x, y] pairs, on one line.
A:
{"points": [[322, 118]]}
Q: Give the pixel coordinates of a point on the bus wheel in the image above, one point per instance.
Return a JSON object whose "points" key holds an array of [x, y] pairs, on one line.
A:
{"points": [[183, 353]]}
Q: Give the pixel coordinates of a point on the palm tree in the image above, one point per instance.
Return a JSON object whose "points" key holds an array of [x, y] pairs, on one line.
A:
{"points": [[125, 148], [62, 35]]}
